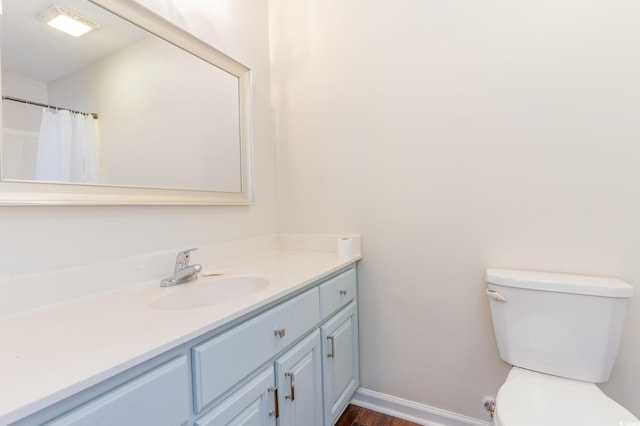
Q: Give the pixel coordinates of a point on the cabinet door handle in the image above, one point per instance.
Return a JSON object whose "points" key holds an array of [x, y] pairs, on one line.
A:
{"points": [[333, 347], [280, 332], [276, 411], [292, 382], [343, 292]]}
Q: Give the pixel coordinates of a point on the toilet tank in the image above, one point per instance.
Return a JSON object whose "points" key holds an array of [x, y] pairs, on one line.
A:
{"points": [[565, 325]]}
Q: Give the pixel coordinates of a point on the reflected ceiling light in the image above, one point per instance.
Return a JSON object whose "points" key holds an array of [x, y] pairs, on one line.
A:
{"points": [[66, 21]]}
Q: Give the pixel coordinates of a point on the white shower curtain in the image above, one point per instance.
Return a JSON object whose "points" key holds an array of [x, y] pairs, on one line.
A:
{"points": [[54, 146], [68, 148]]}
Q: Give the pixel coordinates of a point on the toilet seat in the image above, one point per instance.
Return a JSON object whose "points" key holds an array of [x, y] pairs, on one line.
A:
{"points": [[528, 398]]}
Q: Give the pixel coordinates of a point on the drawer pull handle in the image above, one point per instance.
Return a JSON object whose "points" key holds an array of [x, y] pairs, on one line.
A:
{"points": [[276, 411], [292, 382], [343, 292], [280, 332], [332, 354]]}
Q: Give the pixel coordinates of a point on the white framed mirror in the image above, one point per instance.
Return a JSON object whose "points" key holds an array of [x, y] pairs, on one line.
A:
{"points": [[136, 111]]}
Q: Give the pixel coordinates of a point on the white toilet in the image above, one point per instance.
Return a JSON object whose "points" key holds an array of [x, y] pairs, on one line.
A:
{"points": [[561, 333]]}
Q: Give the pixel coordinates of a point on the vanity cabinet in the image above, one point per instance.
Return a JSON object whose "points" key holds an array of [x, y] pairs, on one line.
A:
{"points": [[293, 363]]}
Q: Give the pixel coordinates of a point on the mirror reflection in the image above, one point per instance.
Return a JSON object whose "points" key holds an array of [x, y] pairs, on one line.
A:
{"points": [[116, 106]]}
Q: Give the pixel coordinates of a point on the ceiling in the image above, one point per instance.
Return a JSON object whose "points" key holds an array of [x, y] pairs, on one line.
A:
{"points": [[32, 49]]}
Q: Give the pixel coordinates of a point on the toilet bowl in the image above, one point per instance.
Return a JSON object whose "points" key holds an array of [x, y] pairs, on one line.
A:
{"points": [[528, 398], [561, 333]]}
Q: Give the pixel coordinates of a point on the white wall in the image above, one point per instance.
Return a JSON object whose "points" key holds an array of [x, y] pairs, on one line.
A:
{"points": [[16, 115], [457, 135], [37, 239], [20, 124]]}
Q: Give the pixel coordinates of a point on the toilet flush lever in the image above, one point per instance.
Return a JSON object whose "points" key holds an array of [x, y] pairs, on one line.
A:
{"points": [[496, 296]]}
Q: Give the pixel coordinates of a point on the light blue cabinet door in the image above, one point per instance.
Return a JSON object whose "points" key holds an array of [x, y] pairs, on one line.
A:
{"points": [[340, 361], [159, 397], [251, 405], [299, 379]]}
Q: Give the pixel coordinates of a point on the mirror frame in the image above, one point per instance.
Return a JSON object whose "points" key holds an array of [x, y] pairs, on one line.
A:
{"points": [[36, 193]]}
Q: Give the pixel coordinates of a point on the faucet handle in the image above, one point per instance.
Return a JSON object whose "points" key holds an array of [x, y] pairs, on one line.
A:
{"points": [[182, 259]]}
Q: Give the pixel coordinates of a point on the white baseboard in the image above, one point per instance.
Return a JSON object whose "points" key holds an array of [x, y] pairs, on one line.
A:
{"points": [[412, 411]]}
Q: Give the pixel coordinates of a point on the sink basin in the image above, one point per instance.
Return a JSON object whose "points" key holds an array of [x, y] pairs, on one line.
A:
{"points": [[209, 291]]}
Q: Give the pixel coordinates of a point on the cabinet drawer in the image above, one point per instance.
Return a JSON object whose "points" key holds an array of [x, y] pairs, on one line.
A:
{"points": [[226, 359], [159, 397], [337, 292]]}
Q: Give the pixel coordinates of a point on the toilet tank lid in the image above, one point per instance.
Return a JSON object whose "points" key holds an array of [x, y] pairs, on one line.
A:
{"points": [[561, 283]]}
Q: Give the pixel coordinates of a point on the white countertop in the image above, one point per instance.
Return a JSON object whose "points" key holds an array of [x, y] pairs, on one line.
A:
{"points": [[56, 351]]}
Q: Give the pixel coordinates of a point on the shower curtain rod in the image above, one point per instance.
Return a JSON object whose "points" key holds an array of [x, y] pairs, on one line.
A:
{"points": [[24, 101]]}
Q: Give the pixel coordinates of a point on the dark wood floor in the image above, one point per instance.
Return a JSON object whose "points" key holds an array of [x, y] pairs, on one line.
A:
{"points": [[358, 416]]}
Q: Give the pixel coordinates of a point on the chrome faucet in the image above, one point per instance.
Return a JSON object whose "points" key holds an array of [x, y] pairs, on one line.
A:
{"points": [[182, 272]]}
